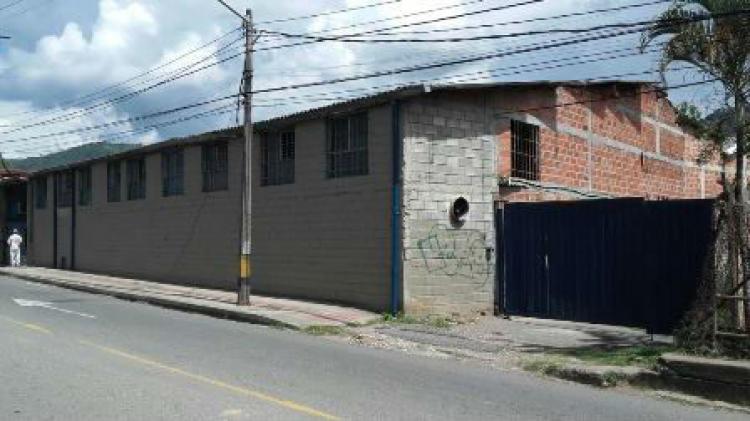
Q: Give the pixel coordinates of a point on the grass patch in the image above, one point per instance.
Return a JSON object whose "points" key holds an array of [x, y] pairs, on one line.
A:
{"points": [[434, 321], [640, 355], [325, 330], [546, 366]]}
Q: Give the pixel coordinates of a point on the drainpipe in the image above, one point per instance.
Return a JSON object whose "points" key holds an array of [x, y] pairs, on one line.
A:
{"points": [[397, 147], [73, 222], [54, 219]]}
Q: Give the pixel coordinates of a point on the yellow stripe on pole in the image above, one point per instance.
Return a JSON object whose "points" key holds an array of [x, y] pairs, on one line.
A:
{"points": [[245, 269]]}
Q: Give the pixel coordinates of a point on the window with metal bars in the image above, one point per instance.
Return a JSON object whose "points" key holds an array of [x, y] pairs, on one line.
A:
{"points": [[277, 158], [172, 172], [40, 192], [114, 181], [136, 178], [215, 167], [84, 186], [524, 150], [65, 189], [347, 146]]}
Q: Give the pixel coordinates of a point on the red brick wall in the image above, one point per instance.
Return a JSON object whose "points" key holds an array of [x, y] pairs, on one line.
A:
{"points": [[612, 140]]}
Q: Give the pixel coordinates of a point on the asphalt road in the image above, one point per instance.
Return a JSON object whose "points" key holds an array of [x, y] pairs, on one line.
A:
{"points": [[94, 358]]}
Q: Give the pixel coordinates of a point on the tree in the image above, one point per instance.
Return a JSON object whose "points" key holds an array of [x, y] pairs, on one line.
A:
{"points": [[714, 37]]}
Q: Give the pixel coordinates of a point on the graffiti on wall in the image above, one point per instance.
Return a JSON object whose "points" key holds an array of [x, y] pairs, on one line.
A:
{"points": [[455, 253]]}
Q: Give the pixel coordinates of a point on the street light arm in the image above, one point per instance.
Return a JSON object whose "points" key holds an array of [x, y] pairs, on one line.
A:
{"points": [[231, 9]]}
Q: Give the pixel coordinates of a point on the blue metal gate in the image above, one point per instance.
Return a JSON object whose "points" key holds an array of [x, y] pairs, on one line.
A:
{"points": [[624, 261]]}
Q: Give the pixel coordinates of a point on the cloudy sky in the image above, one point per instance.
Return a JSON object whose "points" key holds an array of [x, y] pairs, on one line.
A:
{"points": [[73, 70]]}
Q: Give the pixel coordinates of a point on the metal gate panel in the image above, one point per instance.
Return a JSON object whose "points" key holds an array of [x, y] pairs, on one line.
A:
{"points": [[624, 261]]}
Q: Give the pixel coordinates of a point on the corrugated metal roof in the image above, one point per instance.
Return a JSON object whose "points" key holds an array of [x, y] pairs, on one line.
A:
{"points": [[368, 101]]}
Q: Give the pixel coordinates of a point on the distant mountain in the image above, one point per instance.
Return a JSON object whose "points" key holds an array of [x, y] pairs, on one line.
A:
{"points": [[69, 156]]}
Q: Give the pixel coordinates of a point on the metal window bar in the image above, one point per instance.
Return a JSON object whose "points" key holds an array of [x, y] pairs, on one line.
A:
{"points": [[40, 192], [65, 189], [277, 158], [136, 179], [524, 150], [172, 170], [114, 181], [347, 146], [215, 168], [84, 186]]}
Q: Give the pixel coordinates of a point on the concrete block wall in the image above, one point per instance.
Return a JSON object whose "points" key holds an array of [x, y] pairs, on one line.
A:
{"points": [[191, 239], [39, 238], [322, 238], [449, 152]]}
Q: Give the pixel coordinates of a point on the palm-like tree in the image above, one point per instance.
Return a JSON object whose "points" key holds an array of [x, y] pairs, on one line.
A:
{"points": [[714, 37]]}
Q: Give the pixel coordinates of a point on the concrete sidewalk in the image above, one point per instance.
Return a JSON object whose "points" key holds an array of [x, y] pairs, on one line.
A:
{"points": [[289, 313]]}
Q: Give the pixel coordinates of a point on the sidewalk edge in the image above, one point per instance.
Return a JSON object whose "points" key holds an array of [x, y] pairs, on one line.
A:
{"points": [[161, 301]]}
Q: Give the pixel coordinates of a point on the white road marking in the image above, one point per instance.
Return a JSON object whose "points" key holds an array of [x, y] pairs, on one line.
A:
{"points": [[43, 304]]}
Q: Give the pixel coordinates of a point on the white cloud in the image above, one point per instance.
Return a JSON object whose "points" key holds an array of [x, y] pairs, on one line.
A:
{"points": [[126, 37], [26, 143]]}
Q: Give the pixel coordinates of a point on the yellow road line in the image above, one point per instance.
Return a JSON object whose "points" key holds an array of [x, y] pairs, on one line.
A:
{"points": [[217, 383], [29, 326]]}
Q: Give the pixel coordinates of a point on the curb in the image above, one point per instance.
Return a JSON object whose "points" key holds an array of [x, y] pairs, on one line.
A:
{"points": [[182, 304], [602, 376], [661, 379]]}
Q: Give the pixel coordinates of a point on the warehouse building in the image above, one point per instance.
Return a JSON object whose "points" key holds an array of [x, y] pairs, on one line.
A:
{"points": [[416, 173]]}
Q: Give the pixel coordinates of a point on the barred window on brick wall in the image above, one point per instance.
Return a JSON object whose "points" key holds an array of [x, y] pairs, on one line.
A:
{"points": [[347, 146], [84, 186], [40, 192], [136, 178], [524, 150], [277, 158], [172, 172], [215, 167], [114, 181], [65, 188]]}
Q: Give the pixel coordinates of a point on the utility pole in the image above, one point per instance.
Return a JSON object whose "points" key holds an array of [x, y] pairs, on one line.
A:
{"points": [[246, 269], [243, 295]]}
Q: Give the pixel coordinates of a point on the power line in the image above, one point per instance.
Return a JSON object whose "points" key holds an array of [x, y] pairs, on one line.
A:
{"points": [[366, 76], [100, 92], [218, 110], [26, 10], [402, 16], [88, 110], [593, 57], [285, 101], [75, 114], [109, 137], [535, 20], [437, 65], [467, 60], [125, 97], [352, 37], [525, 68], [122, 121], [316, 15], [11, 4], [407, 25]]}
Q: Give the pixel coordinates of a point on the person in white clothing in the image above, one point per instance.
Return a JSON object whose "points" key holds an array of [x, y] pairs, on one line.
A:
{"points": [[14, 242]]}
